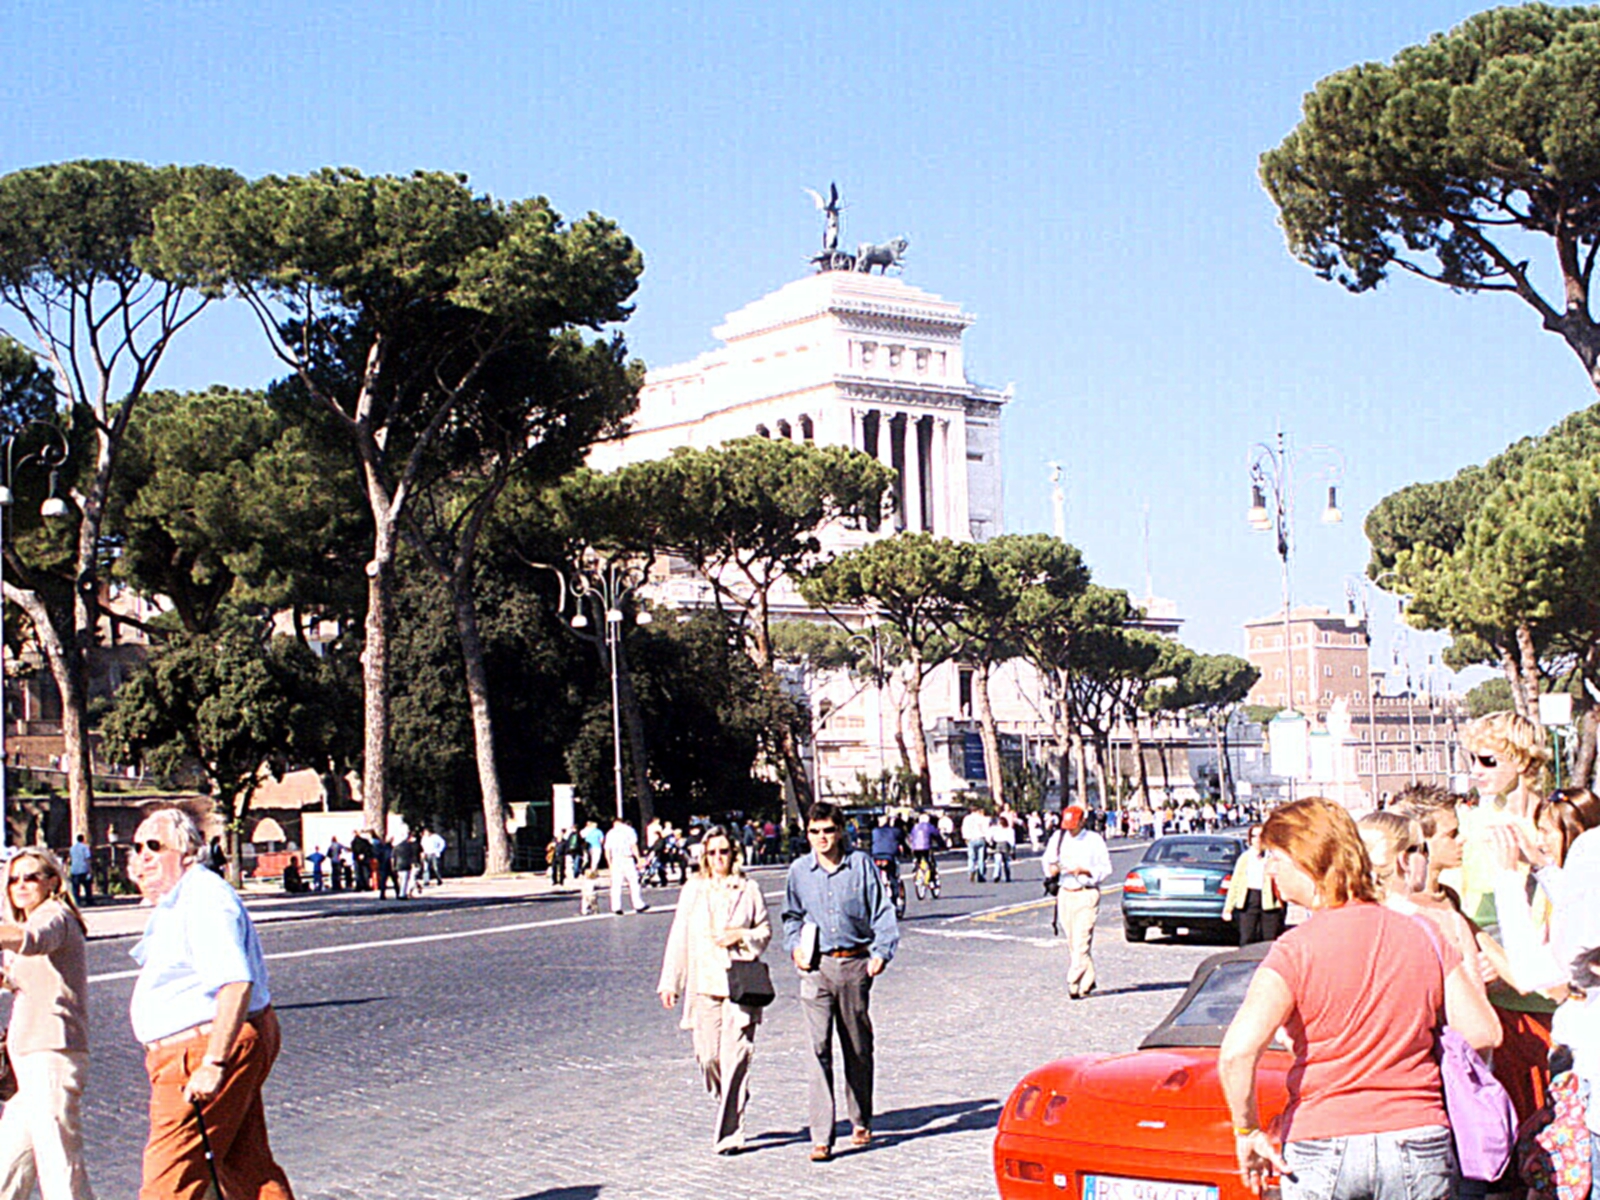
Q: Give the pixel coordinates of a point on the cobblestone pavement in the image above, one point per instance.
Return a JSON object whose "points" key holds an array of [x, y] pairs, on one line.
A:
{"points": [[518, 1051]]}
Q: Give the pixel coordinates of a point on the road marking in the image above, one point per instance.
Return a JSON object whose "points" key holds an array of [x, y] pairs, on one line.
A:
{"points": [[986, 936], [1006, 910], [416, 940]]}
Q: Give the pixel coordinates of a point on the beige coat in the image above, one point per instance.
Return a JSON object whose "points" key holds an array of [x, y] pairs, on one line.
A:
{"points": [[694, 964]]}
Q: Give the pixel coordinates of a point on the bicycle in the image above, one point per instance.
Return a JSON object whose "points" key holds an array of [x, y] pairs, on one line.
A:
{"points": [[926, 878], [897, 886]]}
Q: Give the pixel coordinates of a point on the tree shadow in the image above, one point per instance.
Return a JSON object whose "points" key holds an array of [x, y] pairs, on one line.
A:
{"points": [[773, 1138], [582, 1191]]}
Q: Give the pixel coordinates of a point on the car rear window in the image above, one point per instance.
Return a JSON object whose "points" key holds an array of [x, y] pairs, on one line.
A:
{"points": [[1220, 997], [1195, 854]]}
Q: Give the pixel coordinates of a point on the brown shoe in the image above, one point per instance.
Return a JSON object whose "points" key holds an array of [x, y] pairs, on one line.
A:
{"points": [[822, 1154], [861, 1137]]}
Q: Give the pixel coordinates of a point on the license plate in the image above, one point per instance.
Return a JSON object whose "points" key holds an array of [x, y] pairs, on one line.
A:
{"points": [[1113, 1187], [1185, 885]]}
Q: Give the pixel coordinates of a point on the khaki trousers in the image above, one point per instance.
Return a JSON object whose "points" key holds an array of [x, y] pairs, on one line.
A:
{"points": [[41, 1132], [724, 1041], [1076, 912], [236, 1122], [836, 997]]}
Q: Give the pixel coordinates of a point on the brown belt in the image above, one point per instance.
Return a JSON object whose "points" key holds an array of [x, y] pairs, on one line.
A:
{"points": [[856, 953], [199, 1031]]}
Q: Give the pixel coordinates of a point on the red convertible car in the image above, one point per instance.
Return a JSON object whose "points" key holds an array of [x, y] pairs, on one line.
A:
{"points": [[1149, 1125]]}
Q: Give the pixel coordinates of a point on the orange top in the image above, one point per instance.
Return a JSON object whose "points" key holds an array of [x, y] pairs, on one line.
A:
{"points": [[1368, 987]]}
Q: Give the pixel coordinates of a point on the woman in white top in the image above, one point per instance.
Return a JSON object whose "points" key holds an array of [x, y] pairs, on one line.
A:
{"points": [[41, 1131], [721, 918]]}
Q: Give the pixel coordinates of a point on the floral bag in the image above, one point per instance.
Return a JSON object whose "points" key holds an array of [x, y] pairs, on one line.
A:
{"points": [[1553, 1146]]}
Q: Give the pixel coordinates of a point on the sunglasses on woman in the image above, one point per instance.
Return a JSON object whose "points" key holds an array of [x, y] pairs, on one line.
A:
{"points": [[30, 877], [1487, 761]]}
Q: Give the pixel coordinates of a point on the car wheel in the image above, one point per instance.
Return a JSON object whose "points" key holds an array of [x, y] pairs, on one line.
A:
{"points": [[1133, 930]]}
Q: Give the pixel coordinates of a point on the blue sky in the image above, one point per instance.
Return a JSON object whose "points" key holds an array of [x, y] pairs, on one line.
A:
{"points": [[1079, 175]]}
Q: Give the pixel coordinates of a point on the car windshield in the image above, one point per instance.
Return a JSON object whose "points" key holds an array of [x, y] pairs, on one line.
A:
{"points": [[1219, 997], [1180, 853]]}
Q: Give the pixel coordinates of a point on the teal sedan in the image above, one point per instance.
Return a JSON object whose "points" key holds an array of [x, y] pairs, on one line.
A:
{"points": [[1180, 883]]}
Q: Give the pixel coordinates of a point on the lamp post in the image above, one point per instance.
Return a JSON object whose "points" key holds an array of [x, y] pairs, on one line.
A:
{"points": [[51, 455], [604, 584], [1355, 594], [1272, 471]]}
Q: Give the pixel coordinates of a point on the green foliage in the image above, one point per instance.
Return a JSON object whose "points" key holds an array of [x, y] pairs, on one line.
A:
{"points": [[1262, 714], [27, 392], [221, 501], [1441, 161], [239, 705], [1490, 696], [914, 582]]}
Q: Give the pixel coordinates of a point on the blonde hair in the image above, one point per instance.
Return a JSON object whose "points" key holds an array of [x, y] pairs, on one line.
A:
{"points": [[1423, 802], [46, 858], [1322, 840], [735, 867], [1387, 835], [1510, 736]]}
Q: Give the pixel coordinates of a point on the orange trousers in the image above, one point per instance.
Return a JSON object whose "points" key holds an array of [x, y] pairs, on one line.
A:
{"points": [[1522, 1059], [236, 1123]]}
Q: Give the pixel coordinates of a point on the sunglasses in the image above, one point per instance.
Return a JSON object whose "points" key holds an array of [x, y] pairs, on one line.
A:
{"points": [[722, 853], [823, 831], [1418, 849], [1487, 761], [152, 845], [30, 877]]}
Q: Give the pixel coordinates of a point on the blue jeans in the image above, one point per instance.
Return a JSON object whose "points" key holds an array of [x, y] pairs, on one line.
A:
{"points": [[977, 852], [1406, 1164]]}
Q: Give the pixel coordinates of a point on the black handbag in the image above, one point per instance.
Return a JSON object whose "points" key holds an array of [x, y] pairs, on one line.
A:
{"points": [[8, 1076], [750, 983]]}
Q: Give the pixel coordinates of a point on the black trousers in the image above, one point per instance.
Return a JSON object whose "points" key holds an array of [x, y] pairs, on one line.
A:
{"points": [[1257, 924]]}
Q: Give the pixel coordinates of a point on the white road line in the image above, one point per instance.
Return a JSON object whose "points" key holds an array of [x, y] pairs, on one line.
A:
{"points": [[419, 939], [986, 936]]}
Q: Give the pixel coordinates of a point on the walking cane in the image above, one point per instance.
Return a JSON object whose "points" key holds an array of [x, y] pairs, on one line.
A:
{"points": [[205, 1144]]}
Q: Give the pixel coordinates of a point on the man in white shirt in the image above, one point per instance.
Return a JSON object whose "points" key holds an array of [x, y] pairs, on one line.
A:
{"points": [[1079, 859], [622, 856], [975, 833]]}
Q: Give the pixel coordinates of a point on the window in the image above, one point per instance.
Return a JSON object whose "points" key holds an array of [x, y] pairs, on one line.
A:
{"points": [[1327, 671], [1299, 639], [1327, 638], [922, 362], [1385, 762], [808, 430], [1279, 674], [1328, 694], [1277, 642], [1260, 642], [785, 431], [868, 349], [763, 431], [1355, 672], [964, 691], [895, 353], [1299, 671]]}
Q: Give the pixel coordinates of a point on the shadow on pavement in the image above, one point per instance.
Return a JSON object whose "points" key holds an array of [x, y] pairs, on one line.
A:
{"points": [[931, 1120], [777, 1137], [1176, 985], [584, 1191], [332, 1003]]}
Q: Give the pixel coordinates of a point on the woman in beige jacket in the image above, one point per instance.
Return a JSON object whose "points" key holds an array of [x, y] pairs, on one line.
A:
{"points": [[721, 917], [46, 966]]}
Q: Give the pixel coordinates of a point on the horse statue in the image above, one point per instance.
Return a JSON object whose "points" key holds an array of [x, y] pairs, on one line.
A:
{"points": [[881, 255]]}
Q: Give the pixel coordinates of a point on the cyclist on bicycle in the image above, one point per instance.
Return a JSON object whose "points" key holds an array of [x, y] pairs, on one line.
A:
{"points": [[888, 843], [925, 839]]}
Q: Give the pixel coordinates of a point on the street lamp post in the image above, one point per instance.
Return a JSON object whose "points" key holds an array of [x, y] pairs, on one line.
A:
{"points": [[51, 455], [1355, 594], [1272, 468], [606, 584]]}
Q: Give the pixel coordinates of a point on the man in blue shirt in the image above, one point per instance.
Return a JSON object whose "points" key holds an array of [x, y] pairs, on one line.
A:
{"points": [[840, 929]]}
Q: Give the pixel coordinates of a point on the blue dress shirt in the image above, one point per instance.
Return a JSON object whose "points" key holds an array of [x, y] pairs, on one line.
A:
{"points": [[198, 939], [850, 906]]}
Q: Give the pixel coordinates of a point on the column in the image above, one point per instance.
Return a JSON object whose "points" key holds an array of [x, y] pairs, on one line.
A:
{"points": [[913, 476], [960, 507], [897, 463], [944, 522]]}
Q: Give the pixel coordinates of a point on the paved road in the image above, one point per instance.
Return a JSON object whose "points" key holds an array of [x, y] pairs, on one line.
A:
{"points": [[519, 1052]]}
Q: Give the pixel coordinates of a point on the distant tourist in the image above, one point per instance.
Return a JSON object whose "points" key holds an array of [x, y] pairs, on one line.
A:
{"points": [[81, 863]]}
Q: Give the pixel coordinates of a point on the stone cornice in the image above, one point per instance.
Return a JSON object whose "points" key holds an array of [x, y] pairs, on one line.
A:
{"points": [[928, 395]]}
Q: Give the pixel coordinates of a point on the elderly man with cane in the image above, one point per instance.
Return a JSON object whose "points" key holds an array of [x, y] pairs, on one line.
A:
{"points": [[203, 1010]]}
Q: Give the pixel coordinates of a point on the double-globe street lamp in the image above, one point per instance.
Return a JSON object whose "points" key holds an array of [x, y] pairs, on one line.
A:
{"points": [[1272, 479], [51, 455], [603, 586]]}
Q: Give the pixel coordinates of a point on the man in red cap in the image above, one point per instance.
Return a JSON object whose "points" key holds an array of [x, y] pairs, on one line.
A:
{"points": [[1079, 858]]}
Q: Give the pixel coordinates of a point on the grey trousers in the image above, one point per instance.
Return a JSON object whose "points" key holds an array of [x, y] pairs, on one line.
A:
{"points": [[837, 993], [724, 1040]]}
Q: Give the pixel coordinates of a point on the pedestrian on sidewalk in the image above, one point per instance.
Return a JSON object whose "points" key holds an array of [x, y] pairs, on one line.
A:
{"points": [[202, 1007], [839, 927], [1079, 859], [622, 856], [433, 847], [556, 860], [361, 856], [1251, 897], [593, 840], [975, 833], [383, 854], [314, 860], [81, 862], [721, 921], [407, 862], [41, 1131], [1003, 846], [336, 864]]}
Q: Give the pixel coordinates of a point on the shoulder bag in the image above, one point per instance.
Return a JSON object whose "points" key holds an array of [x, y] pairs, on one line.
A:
{"points": [[750, 983]]}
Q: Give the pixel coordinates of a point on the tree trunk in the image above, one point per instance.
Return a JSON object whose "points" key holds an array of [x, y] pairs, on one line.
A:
{"points": [[1080, 768], [1141, 775], [1530, 671], [989, 732], [1519, 698], [1219, 731], [496, 842], [1166, 767], [919, 738], [1583, 761], [375, 677], [1100, 772], [73, 686]]}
